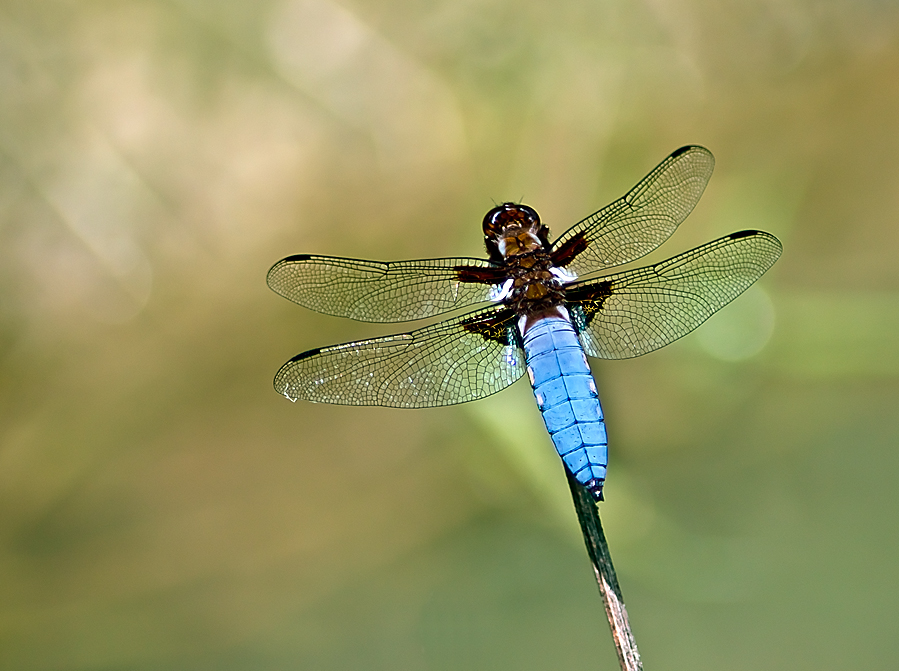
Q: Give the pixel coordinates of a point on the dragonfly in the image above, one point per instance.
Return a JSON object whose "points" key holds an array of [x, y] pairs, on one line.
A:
{"points": [[547, 305]]}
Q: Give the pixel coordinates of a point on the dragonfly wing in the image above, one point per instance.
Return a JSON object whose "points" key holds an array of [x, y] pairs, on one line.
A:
{"points": [[639, 311], [373, 291], [642, 219], [455, 361]]}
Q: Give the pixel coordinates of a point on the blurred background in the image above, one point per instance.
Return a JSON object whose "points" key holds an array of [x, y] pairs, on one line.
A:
{"points": [[161, 507]]}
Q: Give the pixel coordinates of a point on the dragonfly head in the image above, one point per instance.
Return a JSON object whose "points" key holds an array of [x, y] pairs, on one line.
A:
{"points": [[512, 229]]}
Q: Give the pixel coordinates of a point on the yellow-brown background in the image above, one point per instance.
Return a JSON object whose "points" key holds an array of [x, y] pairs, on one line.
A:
{"points": [[162, 508]]}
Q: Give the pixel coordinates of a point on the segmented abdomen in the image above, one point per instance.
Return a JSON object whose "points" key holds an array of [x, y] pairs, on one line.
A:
{"points": [[567, 398]]}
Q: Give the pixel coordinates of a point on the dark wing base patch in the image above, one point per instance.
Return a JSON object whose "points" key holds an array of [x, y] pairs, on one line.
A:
{"points": [[454, 361], [638, 311]]}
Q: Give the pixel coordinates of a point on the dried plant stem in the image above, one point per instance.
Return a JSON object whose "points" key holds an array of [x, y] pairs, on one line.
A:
{"points": [[588, 516]]}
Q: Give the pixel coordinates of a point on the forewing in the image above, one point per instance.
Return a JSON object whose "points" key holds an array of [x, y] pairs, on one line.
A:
{"points": [[639, 311], [373, 291], [642, 219], [455, 361]]}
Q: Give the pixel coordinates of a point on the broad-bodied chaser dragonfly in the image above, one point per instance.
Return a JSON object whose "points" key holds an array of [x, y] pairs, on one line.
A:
{"points": [[549, 309]]}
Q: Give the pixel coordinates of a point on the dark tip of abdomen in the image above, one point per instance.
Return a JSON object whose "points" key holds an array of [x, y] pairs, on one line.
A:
{"points": [[595, 488]]}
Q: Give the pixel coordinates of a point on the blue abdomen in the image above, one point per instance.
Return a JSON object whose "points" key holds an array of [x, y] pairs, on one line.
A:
{"points": [[567, 398]]}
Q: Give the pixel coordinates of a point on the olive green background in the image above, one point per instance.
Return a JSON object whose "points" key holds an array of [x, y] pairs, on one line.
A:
{"points": [[161, 507]]}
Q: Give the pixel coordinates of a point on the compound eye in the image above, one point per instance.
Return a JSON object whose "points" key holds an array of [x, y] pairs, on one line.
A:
{"points": [[530, 214], [493, 224], [509, 214]]}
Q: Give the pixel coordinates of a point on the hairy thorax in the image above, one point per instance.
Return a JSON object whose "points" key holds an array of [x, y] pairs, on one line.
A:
{"points": [[534, 287]]}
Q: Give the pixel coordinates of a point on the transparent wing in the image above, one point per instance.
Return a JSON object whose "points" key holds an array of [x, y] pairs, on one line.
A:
{"points": [[372, 291], [639, 311], [642, 219], [455, 361]]}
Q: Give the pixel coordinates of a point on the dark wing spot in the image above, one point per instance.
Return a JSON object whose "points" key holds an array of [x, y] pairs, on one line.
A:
{"points": [[742, 234], [306, 354], [682, 150]]}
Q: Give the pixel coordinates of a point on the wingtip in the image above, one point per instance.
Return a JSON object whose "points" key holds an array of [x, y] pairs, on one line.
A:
{"points": [[296, 258], [691, 147], [304, 355], [753, 233], [283, 390]]}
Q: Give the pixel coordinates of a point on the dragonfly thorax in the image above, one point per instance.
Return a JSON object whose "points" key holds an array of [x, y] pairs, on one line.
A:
{"points": [[535, 287]]}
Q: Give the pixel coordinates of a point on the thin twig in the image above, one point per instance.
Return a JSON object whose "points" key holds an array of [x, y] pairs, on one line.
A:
{"points": [[588, 516]]}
